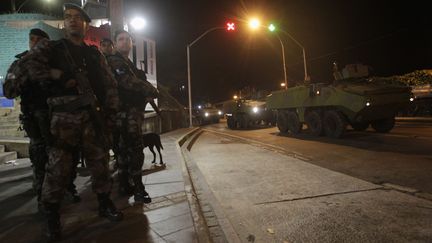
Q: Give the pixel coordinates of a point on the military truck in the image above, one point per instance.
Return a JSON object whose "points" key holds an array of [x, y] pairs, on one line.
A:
{"points": [[245, 113], [206, 114], [327, 109]]}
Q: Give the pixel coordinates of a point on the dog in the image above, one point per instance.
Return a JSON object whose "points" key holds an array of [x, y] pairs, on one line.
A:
{"points": [[151, 140]]}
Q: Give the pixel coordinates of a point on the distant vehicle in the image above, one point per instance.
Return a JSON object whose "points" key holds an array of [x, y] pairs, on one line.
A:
{"points": [[206, 114], [422, 101], [327, 109], [244, 113]]}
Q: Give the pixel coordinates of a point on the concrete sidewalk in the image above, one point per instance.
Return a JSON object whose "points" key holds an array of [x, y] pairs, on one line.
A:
{"points": [[169, 218]]}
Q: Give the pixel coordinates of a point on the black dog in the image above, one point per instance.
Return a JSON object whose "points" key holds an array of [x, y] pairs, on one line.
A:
{"points": [[153, 140]]}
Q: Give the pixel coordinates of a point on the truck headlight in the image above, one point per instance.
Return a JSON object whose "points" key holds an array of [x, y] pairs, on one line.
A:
{"points": [[255, 109]]}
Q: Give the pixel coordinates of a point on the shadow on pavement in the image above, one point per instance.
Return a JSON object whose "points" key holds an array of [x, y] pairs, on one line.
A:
{"points": [[80, 221]]}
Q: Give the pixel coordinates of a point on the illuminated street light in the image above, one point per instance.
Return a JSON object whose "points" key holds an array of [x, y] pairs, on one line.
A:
{"points": [[138, 23], [283, 85], [235, 97], [254, 23]]}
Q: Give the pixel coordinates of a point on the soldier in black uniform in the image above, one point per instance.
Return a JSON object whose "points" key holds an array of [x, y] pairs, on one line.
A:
{"points": [[34, 117], [83, 101]]}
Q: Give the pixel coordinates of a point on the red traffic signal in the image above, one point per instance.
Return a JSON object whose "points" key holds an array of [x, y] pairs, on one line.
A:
{"points": [[230, 26]]}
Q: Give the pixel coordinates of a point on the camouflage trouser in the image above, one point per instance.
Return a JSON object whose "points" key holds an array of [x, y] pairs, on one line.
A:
{"points": [[70, 129], [36, 125], [130, 146]]}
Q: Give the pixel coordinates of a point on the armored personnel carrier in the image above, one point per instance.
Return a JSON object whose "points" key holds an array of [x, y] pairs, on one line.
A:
{"points": [[327, 109], [244, 113]]}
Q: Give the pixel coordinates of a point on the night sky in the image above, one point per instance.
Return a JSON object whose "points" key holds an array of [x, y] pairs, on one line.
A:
{"points": [[393, 37]]}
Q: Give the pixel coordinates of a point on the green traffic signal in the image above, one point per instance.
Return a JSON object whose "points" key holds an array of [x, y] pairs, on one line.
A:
{"points": [[272, 27]]}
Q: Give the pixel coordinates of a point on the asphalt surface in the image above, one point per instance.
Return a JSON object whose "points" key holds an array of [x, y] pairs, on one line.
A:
{"points": [[269, 192], [402, 157]]}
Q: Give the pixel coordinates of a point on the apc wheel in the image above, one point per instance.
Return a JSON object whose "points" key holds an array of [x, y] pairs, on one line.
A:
{"points": [[294, 125], [282, 122], [384, 125], [360, 126], [231, 122], [244, 121], [334, 124], [314, 123]]}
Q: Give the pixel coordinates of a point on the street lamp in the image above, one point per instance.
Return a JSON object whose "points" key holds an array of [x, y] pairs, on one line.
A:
{"points": [[254, 23], [306, 76], [230, 27], [138, 23]]}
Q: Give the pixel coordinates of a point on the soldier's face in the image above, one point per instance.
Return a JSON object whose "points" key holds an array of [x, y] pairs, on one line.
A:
{"points": [[75, 25], [33, 40], [106, 48], [123, 43]]}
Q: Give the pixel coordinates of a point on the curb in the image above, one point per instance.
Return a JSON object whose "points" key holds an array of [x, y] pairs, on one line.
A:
{"points": [[414, 119], [200, 225], [218, 225]]}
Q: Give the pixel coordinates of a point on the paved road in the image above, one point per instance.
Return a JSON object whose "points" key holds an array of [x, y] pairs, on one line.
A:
{"points": [[266, 194], [402, 157]]}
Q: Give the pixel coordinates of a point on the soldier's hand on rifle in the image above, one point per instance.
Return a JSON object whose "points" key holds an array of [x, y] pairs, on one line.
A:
{"points": [[56, 73]]}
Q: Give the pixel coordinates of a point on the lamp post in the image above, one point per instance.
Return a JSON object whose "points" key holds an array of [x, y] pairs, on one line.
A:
{"points": [[255, 24], [189, 69], [303, 50], [284, 64]]}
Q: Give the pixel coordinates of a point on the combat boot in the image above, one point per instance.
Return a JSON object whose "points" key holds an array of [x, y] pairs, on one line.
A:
{"points": [[107, 208], [53, 231], [140, 194], [125, 188]]}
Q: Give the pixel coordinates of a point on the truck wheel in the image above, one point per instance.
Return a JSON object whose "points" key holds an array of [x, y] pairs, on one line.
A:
{"points": [[384, 125], [231, 123], [244, 121], [334, 124], [294, 125], [282, 122], [360, 126], [314, 123]]}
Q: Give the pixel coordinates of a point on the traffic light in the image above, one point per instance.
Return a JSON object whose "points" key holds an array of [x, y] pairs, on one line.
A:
{"points": [[272, 27], [230, 26]]}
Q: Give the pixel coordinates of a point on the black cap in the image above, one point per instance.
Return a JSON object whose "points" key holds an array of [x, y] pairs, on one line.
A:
{"points": [[39, 32], [108, 40], [67, 6]]}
